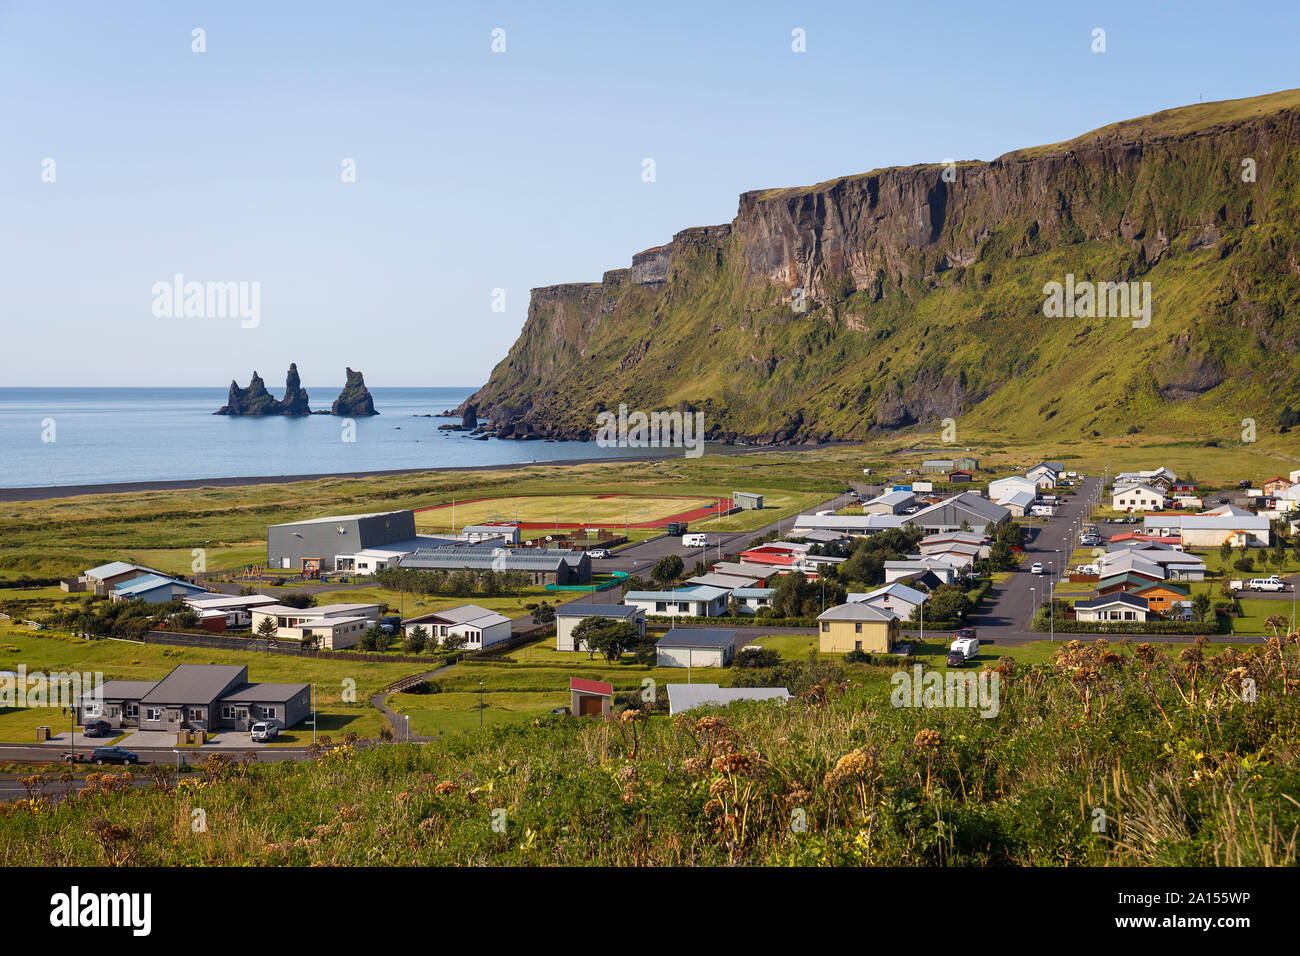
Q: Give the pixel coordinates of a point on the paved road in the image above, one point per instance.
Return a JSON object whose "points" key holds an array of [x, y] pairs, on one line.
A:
{"points": [[151, 755]]}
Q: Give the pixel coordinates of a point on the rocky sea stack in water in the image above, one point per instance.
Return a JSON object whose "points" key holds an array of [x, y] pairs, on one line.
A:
{"points": [[256, 400], [354, 401]]}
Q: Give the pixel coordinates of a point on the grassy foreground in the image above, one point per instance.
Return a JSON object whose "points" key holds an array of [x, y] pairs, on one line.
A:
{"points": [[1107, 755]]}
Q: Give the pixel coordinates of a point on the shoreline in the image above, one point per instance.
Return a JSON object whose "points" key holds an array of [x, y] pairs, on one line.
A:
{"points": [[46, 492]]}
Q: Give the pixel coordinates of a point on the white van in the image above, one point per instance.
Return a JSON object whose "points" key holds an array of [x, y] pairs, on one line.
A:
{"points": [[1267, 584], [265, 730], [697, 540]]}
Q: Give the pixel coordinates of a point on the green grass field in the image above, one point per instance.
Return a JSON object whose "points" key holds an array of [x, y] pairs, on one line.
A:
{"points": [[601, 510]]}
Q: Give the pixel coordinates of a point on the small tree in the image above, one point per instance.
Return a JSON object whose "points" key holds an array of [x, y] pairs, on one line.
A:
{"points": [[1202, 605], [613, 638], [543, 614], [417, 638], [267, 628], [668, 569]]}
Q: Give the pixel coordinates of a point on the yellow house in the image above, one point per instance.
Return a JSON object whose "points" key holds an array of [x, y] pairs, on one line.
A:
{"points": [[861, 627]]}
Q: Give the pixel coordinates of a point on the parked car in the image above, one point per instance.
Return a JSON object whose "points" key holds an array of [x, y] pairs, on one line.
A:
{"points": [[595, 553], [956, 659], [1036, 569], [103, 755], [96, 728], [265, 730]]}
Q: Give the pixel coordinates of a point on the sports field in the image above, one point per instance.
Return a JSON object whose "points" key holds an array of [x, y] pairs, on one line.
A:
{"points": [[538, 512]]}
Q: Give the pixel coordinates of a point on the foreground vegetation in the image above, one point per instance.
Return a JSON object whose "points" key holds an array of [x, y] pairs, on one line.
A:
{"points": [[1107, 755]]}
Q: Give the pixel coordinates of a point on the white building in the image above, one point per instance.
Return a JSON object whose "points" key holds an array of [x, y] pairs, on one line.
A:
{"points": [[333, 626], [696, 647], [896, 598], [1137, 497], [480, 627], [569, 616], [1120, 606], [698, 601], [1239, 528]]}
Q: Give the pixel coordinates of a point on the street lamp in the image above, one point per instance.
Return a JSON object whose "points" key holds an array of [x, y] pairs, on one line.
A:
{"points": [[1033, 604], [480, 705], [408, 727]]}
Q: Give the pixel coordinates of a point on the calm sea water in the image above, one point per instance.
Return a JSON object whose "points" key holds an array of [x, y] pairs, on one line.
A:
{"points": [[103, 435]]}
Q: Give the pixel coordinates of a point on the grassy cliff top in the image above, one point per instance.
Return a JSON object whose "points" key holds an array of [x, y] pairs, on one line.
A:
{"points": [[1178, 121]]}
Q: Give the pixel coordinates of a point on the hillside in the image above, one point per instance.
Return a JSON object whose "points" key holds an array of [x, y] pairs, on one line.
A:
{"points": [[1123, 755], [925, 298]]}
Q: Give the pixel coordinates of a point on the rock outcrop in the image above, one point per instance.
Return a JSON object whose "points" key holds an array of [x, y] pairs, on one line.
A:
{"points": [[256, 400], [354, 401]]}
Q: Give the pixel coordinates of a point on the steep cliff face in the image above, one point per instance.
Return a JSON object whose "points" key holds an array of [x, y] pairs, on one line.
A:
{"points": [[906, 295]]}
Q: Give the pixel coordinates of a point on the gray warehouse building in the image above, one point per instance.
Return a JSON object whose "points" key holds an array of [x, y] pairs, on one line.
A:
{"points": [[747, 500], [362, 543]]}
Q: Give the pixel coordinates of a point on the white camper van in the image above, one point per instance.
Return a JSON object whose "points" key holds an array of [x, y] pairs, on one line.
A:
{"points": [[696, 540]]}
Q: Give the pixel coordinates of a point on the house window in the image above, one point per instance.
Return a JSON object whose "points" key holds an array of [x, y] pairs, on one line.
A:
{"points": [[826, 626], [92, 709], [265, 712], [661, 606], [133, 710], [857, 645], [153, 713], [1130, 615], [857, 627], [196, 713], [683, 607], [228, 711]]}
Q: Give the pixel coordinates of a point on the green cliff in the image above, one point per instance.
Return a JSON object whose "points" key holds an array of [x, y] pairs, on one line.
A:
{"points": [[924, 293]]}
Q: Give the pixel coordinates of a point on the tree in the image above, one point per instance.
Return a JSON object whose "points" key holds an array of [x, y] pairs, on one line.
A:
{"points": [[299, 600], [267, 628], [584, 633], [668, 569], [947, 602], [1202, 605], [417, 638], [631, 583], [614, 637], [452, 642], [1001, 557], [543, 614], [374, 639], [1225, 552]]}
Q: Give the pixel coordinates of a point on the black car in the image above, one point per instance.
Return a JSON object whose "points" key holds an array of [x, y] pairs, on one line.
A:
{"points": [[96, 728], [103, 755], [956, 659]]}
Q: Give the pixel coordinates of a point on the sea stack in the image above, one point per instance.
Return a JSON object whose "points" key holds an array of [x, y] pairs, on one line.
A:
{"points": [[256, 400], [354, 401]]}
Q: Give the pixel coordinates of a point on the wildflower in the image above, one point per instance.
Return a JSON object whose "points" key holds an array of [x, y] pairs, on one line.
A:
{"points": [[733, 763], [927, 738], [445, 787]]}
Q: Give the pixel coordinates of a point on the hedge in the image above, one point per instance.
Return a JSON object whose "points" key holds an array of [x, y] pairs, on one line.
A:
{"points": [[1065, 626]]}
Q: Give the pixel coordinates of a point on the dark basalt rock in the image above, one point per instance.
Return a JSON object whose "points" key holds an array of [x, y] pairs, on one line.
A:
{"points": [[256, 400], [354, 401]]}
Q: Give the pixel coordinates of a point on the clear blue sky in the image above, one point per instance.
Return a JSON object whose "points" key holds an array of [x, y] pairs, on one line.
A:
{"points": [[477, 170]]}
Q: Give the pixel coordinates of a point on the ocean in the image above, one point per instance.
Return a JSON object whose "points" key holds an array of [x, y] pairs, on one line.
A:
{"points": [[76, 436]]}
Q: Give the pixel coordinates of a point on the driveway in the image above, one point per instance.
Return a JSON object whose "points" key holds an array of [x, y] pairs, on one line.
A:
{"points": [[65, 740], [148, 738]]}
